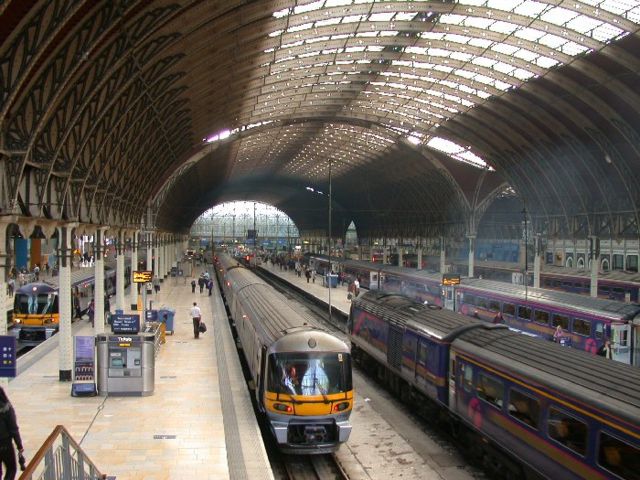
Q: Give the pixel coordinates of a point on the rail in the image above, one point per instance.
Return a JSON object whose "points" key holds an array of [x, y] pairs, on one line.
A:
{"points": [[61, 457]]}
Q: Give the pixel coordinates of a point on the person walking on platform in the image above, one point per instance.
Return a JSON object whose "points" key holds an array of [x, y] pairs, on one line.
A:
{"points": [[156, 284], [201, 284], [195, 316], [193, 286], [9, 433], [210, 286]]}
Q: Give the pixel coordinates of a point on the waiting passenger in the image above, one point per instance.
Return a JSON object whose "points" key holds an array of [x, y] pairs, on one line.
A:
{"points": [[558, 334], [606, 350]]}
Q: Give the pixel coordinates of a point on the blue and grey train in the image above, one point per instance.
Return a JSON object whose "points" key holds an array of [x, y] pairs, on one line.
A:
{"points": [[301, 373], [525, 408]]}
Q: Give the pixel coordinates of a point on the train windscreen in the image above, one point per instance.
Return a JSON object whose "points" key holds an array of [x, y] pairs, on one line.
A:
{"points": [[42, 304], [310, 374]]}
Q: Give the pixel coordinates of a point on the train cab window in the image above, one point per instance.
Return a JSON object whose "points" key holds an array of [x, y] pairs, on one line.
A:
{"points": [[490, 390], [524, 408], [561, 320], [494, 306], [509, 309], [582, 327], [524, 313], [599, 331], [542, 317], [618, 457], [567, 430]]}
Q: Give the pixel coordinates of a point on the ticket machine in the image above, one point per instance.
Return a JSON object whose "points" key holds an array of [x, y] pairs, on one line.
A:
{"points": [[126, 364]]}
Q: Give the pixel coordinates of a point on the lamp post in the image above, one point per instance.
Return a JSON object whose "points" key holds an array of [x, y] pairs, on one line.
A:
{"points": [[330, 269], [526, 251]]}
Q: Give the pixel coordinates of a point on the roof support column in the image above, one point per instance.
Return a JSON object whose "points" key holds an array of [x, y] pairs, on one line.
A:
{"points": [[443, 257], [537, 261], [385, 255], [419, 259], [400, 252], [4, 273], [99, 293], [472, 242], [65, 353], [594, 255]]}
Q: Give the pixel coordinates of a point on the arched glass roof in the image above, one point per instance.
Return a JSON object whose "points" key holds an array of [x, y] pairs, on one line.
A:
{"points": [[413, 65]]}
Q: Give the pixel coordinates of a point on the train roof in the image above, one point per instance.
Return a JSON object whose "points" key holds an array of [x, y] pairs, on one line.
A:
{"points": [[614, 276], [263, 301], [404, 312], [592, 380], [308, 339], [612, 309], [36, 287]]}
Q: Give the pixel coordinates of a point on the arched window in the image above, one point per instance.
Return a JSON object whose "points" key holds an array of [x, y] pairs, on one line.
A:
{"points": [[569, 263]]}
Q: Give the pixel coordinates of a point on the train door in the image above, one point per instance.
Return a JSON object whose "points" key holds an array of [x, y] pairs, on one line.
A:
{"points": [[620, 339], [376, 280], [448, 296]]}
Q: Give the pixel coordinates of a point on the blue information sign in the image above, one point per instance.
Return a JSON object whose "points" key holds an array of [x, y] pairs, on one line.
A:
{"points": [[8, 352], [151, 315], [129, 323]]}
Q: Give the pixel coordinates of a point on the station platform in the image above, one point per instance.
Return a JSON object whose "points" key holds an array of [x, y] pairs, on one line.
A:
{"points": [[198, 423], [338, 295]]}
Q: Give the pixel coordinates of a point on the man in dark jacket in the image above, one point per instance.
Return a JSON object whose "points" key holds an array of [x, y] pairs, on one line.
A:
{"points": [[8, 432]]}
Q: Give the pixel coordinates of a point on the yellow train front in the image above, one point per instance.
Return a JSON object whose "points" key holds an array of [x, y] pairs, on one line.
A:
{"points": [[301, 374], [36, 312], [308, 394]]}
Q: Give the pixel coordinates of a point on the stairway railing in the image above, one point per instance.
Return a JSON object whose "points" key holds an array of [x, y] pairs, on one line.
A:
{"points": [[61, 457]]}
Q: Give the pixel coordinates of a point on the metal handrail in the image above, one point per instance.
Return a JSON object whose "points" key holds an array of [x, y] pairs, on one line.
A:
{"points": [[61, 457]]}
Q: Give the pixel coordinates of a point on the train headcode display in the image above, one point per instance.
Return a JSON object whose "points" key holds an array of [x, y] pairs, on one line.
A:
{"points": [[8, 352], [142, 276], [450, 279]]}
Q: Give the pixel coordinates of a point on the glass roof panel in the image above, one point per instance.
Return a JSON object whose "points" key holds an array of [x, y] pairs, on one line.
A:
{"points": [[460, 57]]}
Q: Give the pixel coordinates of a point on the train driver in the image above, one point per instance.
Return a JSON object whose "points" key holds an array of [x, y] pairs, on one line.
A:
{"points": [[291, 380]]}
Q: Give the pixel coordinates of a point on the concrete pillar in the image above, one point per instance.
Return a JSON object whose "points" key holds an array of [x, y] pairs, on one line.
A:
{"points": [[537, 261], [155, 254], [65, 345], [4, 274], [419, 253], [133, 289], [99, 292], [443, 262], [594, 254], [472, 241], [120, 271], [385, 256], [148, 236], [399, 256]]}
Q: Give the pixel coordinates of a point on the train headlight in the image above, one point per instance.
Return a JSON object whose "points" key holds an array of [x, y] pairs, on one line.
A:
{"points": [[283, 407], [340, 407]]}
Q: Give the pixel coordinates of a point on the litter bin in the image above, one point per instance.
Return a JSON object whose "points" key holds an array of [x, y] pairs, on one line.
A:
{"points": [[166, 316], [332, 280]]}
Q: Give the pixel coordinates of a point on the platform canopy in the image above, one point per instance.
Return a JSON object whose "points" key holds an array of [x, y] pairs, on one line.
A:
{"points": [[417, 115]]}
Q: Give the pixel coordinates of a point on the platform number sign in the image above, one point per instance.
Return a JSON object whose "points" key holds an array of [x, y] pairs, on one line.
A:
{"points": [[8, 352]]}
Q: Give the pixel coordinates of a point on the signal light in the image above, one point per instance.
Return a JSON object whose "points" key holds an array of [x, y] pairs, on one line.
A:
{"points": [[283, 407], [339, 407]]}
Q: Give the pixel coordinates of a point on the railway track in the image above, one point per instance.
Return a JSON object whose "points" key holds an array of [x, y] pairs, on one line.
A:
{"points": [[313, 467]]}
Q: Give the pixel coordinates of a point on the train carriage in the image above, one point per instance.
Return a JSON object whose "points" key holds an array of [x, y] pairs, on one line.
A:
{"points": [[565, 414], [301, 374]]}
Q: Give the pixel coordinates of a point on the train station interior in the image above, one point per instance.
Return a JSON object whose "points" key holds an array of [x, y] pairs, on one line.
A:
{"points": [[490, 139]]}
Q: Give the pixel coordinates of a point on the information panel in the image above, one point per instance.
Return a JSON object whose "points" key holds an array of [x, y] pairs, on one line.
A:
{"points": [[451, 279], [84, 362], [8, 352], [142, 276], [125, 323]]}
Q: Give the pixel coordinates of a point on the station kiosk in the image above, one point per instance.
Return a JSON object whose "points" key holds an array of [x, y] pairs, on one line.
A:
{"points": [[126, 358]]}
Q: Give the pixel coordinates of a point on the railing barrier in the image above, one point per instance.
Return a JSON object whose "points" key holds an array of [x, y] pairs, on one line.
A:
{"points": [[61, 457]]}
